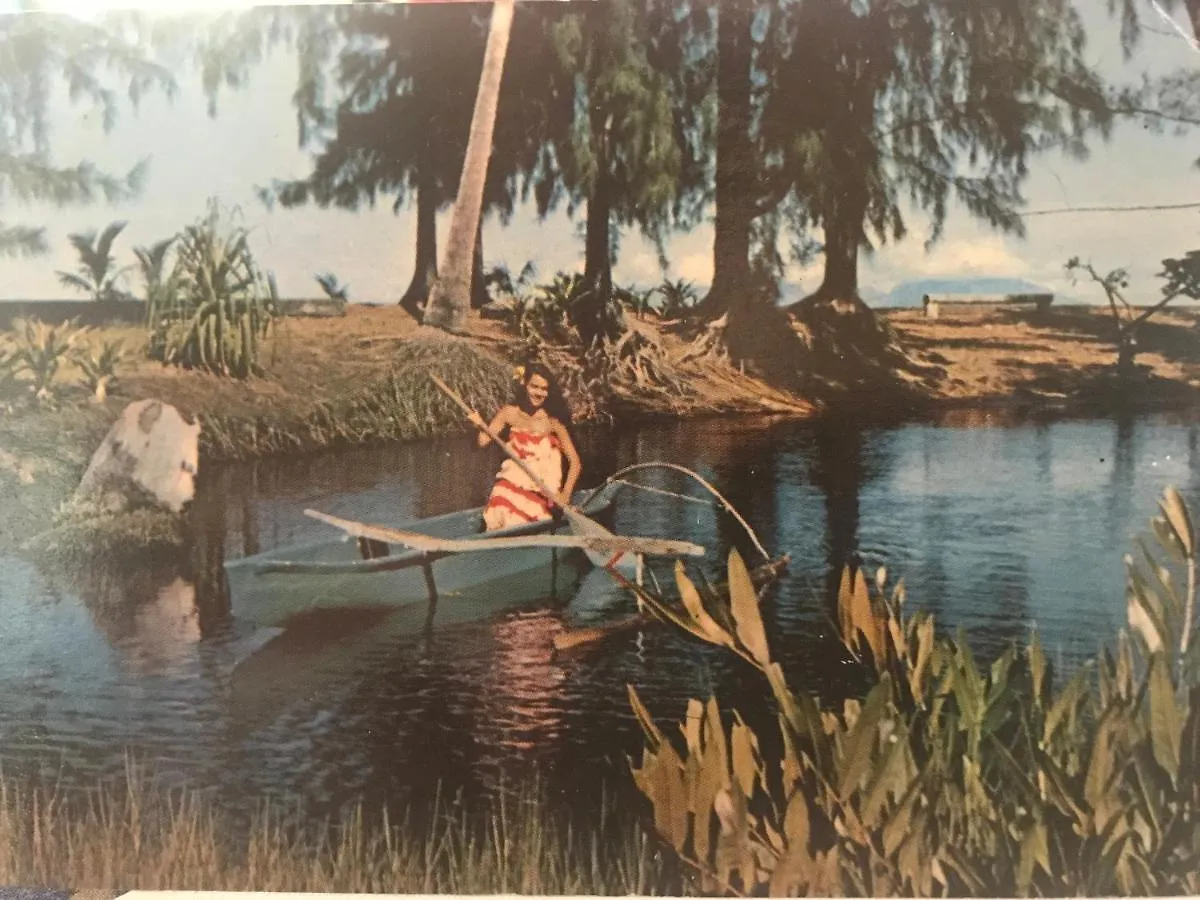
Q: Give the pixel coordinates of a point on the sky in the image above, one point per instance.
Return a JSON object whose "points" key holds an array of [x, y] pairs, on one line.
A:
{"points": [[253, 140]]}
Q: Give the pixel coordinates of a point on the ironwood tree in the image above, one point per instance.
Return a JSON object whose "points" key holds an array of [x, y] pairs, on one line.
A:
{"points": [[102, 66], [876, 104], [632, 153]]}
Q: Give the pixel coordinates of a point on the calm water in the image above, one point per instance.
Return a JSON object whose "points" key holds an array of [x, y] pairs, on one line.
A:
{"points": [[995, 527]]}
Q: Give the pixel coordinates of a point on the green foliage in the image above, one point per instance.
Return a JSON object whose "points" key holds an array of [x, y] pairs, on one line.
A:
{"points": [[402, 405], [100, 371], [678, 297], [158, 279], [1182, 276], [97, 274], [40, 351], [500, 283], [44, 55], [221, 305], [333, 289], [871, 106], [947, 778]]}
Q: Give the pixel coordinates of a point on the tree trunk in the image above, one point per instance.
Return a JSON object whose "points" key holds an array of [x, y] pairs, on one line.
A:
{"points": [[843, 240], [425, 269], [590, 312], [450, 301], [1126, 351], [479, 294], [735, 178]]}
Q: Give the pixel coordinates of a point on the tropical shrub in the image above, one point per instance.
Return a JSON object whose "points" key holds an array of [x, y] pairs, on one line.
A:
{"points": [[40, 352], [334, 289], [221, 306], [158, 279], [100, 371], [678, 298], [947, 778]]}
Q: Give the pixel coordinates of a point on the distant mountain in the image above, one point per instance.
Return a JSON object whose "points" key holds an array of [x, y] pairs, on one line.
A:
{"points": [[909, 293]]}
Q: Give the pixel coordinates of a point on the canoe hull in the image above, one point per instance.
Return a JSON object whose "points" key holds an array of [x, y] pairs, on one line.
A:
{"points": [[277, 587]]}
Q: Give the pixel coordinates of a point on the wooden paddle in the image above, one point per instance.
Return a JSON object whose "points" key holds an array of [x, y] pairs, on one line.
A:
{"points": [[580, 523], [577, 637]]}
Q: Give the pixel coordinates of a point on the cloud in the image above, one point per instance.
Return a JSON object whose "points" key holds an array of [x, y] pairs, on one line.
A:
{"points": [[697, 267], [638, 267]]}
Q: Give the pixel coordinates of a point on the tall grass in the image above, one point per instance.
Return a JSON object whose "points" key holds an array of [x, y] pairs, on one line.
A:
{"points": [[402, 405], [136, 835]]}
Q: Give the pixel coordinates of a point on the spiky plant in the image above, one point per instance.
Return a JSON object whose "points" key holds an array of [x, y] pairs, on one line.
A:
{"points": [[222, 305], [100, 371], [97, 275], [40, 352]]}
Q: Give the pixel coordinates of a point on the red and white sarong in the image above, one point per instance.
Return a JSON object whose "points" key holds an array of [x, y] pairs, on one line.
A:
{"points": [[515, 499]]}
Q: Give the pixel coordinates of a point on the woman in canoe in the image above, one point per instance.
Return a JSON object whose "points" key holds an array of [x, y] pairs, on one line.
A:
{"points": [[538, 432]]}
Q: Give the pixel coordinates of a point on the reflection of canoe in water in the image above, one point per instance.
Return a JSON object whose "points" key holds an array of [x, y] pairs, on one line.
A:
{"points": [[277, 586], [328, 649]]}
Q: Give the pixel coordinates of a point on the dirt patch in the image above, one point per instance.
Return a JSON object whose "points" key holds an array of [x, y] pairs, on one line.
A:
{"points": [[1063, 355]]}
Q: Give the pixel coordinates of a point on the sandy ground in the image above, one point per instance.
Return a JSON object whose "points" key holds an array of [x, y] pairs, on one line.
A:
{"points": [[1060, 355]]}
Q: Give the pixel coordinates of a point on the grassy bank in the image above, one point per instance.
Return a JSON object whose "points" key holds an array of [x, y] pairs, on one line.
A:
{"points": [[351, 380], [138, 836], [327, 383]]}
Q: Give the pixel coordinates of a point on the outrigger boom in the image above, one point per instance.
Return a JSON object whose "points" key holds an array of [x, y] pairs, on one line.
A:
{"points": [[601, 543]]}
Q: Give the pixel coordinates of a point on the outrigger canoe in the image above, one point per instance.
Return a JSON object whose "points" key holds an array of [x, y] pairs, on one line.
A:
{"points": [[278, 586]]}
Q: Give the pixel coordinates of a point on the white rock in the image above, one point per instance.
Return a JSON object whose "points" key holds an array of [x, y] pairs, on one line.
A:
{"points": [[148, 458]]}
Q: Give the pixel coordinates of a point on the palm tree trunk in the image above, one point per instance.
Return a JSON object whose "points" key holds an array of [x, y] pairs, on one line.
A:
{"points": [[479, 294], [450, 301]]}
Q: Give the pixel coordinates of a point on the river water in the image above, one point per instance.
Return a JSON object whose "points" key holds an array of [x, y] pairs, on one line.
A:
{"points": [[996, 526]]}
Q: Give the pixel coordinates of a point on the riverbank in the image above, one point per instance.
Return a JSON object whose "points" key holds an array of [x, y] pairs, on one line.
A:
{"points": [[353, 379], [334, 382], [1062, 359]]}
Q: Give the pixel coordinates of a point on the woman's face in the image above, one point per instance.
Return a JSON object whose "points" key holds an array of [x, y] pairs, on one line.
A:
{"points": [[537, 389]]}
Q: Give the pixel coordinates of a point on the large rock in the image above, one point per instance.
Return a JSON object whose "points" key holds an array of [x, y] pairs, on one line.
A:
{"points": [[148, 459]]}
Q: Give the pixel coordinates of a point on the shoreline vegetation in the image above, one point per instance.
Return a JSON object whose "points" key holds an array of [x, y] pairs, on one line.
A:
{"points": [[135, 833], [328, 382]]}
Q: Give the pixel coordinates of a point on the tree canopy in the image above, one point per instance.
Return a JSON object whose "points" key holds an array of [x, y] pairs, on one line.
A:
{"points": [[43, 57]]}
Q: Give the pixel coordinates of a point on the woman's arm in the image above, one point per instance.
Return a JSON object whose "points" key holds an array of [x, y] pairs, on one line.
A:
{"points": [[574, 463], [501, 419]]}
